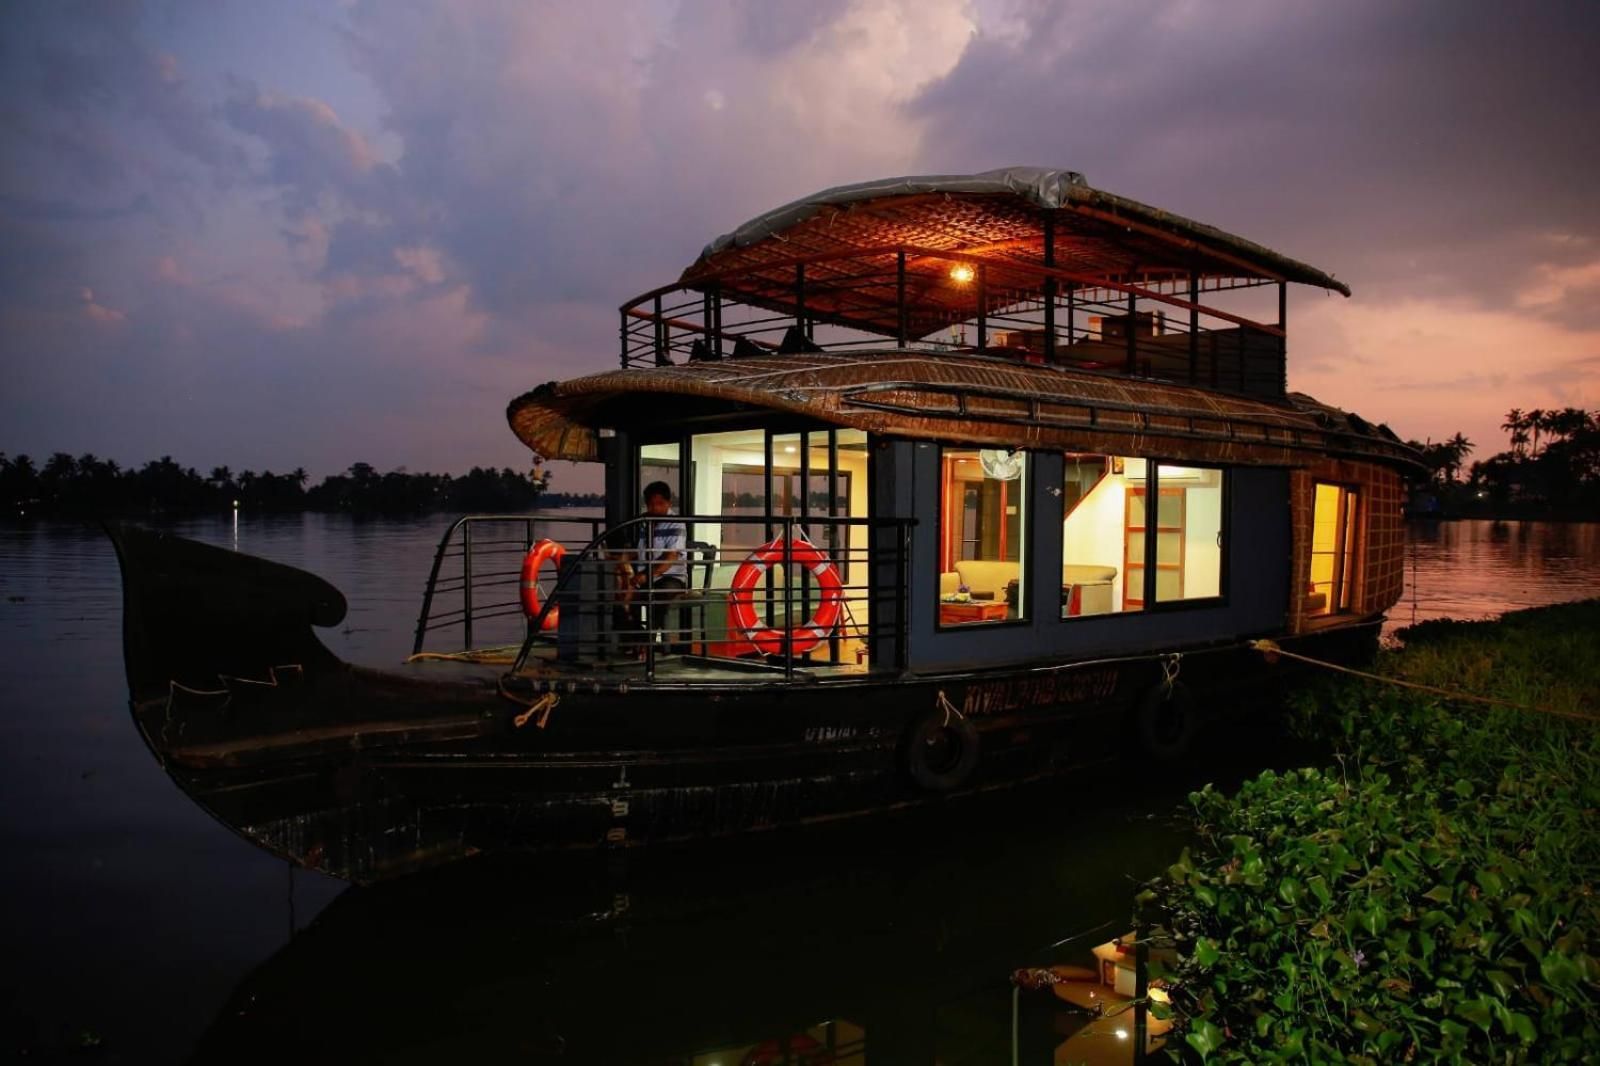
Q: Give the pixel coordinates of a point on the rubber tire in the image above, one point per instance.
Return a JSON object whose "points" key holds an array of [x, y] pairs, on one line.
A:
{"points": [[1168, 721], [940, 751]]}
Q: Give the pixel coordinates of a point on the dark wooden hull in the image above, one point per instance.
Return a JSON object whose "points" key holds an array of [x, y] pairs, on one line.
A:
{"points": [[367, 774]]}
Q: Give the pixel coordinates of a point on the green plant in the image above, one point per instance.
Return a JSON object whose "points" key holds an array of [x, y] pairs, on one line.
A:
{"points": [[1428, 896]]}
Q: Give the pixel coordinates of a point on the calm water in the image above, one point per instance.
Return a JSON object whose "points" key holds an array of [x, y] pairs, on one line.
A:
{"points": [[134, 924]]}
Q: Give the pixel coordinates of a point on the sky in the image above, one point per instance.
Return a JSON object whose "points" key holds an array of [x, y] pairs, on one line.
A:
{"points": [[306, 234]]}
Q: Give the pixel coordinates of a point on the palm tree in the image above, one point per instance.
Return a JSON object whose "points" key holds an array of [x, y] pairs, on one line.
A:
{"points": [[1516, 424], [1458, 448], [1537, 420]]}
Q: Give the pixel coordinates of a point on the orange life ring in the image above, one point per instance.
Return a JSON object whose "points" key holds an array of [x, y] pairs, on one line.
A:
{"points": [[537, 556], [798, 639]]}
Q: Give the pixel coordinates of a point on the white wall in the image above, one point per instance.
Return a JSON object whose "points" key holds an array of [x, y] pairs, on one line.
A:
{"points": [[1202, 561], [1092, 534]]}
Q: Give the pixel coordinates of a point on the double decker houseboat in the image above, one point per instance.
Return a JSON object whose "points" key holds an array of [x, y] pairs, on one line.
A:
{"points": [[954, 482]]}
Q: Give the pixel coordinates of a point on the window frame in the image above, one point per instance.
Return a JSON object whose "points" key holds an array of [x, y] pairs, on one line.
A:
{"points": [[1028, 483], [1222, 597], [1342, 579], [1152, 488]]}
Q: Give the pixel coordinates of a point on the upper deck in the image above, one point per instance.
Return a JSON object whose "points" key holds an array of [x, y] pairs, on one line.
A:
{"points": [[1021, 263]]}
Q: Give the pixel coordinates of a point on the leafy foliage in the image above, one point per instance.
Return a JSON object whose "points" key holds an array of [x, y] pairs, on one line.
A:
{"points": [[1429, 896]]}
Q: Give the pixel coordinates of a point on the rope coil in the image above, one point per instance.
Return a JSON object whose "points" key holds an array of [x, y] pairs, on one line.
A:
{"points": [[540, 707]]}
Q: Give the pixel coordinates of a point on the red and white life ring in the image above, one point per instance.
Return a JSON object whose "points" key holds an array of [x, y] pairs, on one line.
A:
{"points": [[537, 556], [797, 639]]}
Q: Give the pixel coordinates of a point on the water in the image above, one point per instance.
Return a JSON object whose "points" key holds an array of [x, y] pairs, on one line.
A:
{"points": [[134, 925], [1480, 569]]}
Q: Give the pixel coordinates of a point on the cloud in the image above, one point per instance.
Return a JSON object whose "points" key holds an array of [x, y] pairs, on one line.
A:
{"points": [[310, 153], [1414, 149]]}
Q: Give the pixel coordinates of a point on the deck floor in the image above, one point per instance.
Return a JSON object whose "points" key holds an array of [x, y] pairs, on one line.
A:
{"points": [[668, 668]]}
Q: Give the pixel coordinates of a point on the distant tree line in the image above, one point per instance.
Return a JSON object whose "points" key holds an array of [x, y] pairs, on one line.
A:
{"points": [[1552, 468], [89, 485]]}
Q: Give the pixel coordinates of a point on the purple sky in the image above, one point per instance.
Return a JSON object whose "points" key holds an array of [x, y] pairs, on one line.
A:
{"points": [[306, 234]]}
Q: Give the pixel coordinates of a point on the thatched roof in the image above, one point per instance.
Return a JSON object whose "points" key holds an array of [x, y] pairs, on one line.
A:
{"points": [[958, 398], [997, 218]]}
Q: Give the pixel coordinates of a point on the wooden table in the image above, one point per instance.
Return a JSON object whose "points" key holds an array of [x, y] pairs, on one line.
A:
{"points": [[953, 614]]}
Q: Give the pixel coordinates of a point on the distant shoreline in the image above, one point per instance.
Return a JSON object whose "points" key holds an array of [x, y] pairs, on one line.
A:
{"points": [[87, 486]]}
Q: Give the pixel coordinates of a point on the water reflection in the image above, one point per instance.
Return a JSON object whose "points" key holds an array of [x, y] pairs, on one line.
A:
{"points": [[891, 941], [1480, 569]]}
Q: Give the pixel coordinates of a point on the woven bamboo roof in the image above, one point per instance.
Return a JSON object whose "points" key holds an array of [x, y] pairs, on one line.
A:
{"points": [[849, 236], [959, 399]]}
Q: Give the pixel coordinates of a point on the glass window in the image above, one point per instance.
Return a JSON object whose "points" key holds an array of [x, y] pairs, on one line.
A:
{"points": [[1102, 534], [982, 524], [659, 462], [1333, 537], [1189, 533]]}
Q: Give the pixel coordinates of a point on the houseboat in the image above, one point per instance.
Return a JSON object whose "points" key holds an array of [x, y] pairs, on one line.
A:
{"points": [[915, 489]]}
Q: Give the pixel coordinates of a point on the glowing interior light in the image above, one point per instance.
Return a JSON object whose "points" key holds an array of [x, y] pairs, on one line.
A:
{"points": [[961, 273]]}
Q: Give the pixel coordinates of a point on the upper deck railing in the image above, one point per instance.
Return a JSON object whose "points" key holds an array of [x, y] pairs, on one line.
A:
{"points": [[1164, 326]]}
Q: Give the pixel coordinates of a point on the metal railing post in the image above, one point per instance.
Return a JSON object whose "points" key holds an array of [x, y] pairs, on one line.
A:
{"points": [[983, 310], [466, 584], [1133, 352], [788, 599], [902, 329]]}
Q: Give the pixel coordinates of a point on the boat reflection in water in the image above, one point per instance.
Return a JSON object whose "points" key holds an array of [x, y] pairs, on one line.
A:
{"points": [[892, 941]]}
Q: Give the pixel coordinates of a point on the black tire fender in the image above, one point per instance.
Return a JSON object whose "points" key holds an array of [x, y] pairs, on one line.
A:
{"points": [[940, 750], [1168, 719]]}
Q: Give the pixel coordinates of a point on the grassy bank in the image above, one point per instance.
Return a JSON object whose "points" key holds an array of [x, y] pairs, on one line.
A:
{"points": [[1428, 895]]}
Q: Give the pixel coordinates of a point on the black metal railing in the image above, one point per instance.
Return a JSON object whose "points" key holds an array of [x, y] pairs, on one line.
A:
{"points": [[476, 578], [782, 595], [862, 300]]}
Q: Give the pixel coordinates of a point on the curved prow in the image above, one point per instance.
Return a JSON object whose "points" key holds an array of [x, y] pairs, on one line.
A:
{"points": [[192, 612]]}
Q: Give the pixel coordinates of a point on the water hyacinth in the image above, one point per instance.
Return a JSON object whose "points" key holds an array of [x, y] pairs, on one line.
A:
{"points": [[1428, 895]]}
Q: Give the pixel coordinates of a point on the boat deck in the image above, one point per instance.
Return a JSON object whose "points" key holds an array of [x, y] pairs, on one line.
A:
{"points": [[667, 669]]}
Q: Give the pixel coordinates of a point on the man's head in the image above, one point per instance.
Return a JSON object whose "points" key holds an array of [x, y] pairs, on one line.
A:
{"points": [[657, 497]]}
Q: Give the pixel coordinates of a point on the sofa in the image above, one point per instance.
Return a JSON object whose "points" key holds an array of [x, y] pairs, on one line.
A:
{"points": [[1086, 589]]}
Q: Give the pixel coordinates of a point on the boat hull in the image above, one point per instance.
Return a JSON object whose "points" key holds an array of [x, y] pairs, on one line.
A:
{"points": [[367, 774]]}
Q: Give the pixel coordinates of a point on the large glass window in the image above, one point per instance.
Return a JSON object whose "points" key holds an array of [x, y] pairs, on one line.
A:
{"points": [[661, 462], [1188, 562], [812, 476], [1102, 535], [1112, 539], [1333, 538], [982, 526]]}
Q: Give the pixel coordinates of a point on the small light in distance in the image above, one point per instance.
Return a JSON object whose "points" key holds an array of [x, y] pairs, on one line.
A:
{"points": [[961, 273]]}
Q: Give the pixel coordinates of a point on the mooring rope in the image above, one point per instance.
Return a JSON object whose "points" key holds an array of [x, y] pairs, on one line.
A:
{"points": [[1270, 648], [541, 707], [943, 704], [499, 656]]}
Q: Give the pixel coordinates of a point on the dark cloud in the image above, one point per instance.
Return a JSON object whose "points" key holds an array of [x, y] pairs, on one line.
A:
{"points": [[1420, 148]]}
